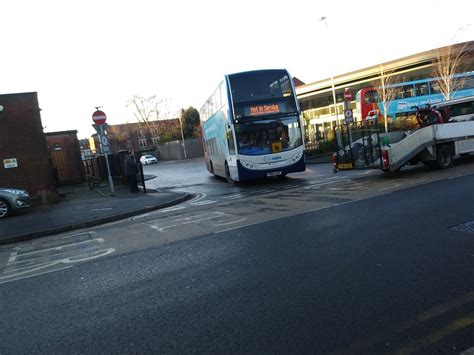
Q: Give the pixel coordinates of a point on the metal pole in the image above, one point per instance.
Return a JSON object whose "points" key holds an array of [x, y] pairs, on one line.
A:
{"points": [[324, 18], [349, 125], [142, 175], [182, 137], [111, 182]]}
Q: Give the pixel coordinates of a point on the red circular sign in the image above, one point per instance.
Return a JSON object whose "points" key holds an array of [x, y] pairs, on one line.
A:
{"points": [[99, 117], [347, 95]]}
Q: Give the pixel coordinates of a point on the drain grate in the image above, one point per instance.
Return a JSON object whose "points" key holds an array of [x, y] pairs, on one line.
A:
{"points": [[467, 227]]}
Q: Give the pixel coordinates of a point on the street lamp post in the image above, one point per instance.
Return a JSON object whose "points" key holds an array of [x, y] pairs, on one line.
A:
{"points": [[324, 18], [182, 137]]}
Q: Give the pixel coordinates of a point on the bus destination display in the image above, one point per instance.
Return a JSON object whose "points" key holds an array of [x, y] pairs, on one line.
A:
{"points": [[264, 109]]}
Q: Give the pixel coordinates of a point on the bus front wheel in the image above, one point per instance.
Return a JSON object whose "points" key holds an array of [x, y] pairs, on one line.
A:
{"points": [[227, 173]]}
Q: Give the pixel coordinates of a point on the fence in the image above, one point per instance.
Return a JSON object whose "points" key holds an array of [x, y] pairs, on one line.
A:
{"points": [[358, 146], [175, 150], [96, 168]]}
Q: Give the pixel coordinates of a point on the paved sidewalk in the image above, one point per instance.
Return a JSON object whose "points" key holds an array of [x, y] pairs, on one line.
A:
{"points": [[80, 208]]}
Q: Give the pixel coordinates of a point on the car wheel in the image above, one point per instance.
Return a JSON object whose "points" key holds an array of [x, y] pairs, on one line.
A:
{"points": [[4, 208]]}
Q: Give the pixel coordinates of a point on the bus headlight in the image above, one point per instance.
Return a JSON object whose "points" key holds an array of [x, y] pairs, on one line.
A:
{"points": [[248, 165], [297, 157]]}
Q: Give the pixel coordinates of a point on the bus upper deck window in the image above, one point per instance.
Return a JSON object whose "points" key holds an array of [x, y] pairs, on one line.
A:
{"points": [[370, 97]]}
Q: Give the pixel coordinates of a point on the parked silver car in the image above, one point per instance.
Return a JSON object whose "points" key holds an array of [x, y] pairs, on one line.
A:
{"points": [[12, 199], [148, 159]]}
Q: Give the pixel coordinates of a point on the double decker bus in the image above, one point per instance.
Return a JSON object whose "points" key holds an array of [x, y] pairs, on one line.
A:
{"points": [[412, 94], [252, 128]]}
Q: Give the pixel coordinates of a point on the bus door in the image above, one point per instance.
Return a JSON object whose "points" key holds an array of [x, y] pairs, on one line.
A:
{"points": [[232, 159], [231, 141]]}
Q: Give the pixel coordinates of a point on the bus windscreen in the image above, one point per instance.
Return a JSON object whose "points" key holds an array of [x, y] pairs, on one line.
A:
{"points": [[260, 85]]}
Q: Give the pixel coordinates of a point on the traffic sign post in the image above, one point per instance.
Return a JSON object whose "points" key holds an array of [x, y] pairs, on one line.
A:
{"points": [[347, 95], [99, 119], [348, 118]]}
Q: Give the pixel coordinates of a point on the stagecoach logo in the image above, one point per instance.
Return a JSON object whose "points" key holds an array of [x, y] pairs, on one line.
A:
{"points": [[10, 163], [270, 158]]}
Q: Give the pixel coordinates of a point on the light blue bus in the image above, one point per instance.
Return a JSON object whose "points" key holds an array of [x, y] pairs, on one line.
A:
{"points": [[412, 94], [251, 126]]}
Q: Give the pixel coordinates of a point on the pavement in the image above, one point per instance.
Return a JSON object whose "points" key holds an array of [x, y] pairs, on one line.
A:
{"points": [[81, 207]]}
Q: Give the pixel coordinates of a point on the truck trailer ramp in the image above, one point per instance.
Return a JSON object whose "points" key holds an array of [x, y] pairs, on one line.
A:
{"points": [[423, 143]]}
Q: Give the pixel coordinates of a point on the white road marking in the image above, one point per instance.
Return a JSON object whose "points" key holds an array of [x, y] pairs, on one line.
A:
{"points": [[101, 209], [52, 254], [233, 197], [172, 209], [199, 197], [316, 185], [232, 222], [196, 218], [13, 256], [205, 202], [139, 216], [59, 247]]}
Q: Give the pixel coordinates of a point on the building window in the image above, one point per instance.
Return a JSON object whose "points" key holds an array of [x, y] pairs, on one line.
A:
{"points": [[129, 144], [142, 143]]}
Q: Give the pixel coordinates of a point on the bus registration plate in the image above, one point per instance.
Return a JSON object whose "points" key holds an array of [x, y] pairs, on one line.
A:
{"points": [[274, 173]]}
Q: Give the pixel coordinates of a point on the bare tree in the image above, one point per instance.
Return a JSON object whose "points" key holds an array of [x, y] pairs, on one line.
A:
{"points": [[151, 108], [145, 109], [448, 64], [387, 91]]}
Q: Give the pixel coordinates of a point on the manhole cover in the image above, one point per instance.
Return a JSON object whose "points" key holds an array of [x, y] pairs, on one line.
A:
{"points": [[467, 227]]}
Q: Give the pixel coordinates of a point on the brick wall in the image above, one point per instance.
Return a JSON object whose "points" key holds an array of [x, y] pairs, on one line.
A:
{"points": [[22, 137]]}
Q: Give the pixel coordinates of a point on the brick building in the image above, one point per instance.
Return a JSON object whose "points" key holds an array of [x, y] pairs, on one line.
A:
{"points": [[24, 158], [66, 156], [139, 137]]}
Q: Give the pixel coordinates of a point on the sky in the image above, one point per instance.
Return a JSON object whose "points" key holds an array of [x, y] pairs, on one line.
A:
{"points": [[81, 54]]}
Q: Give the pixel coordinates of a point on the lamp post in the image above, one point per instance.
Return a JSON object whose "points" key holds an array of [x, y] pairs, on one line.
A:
{"points": [[182, 137], [325, 19]]}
